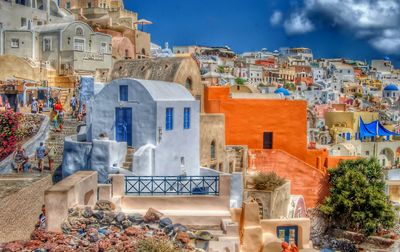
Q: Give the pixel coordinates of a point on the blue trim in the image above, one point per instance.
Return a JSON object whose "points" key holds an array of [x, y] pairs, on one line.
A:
{"points": [[186, 118], [171, 185], [169, 119], [123, 93]]}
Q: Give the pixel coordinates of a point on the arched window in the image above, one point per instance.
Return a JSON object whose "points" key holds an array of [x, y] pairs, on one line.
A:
{"points": [[213, 150], [143, 51], [189, 84], [79, 31]]}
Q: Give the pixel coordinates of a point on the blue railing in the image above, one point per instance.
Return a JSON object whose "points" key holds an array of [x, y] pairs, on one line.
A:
{"points": [[172, 185]]}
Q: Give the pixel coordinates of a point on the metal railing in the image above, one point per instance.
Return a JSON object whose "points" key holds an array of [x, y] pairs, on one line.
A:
{"points": [[172, 185]]}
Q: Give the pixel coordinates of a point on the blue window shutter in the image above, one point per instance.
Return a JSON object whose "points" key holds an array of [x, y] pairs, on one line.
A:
{"points": [[186, 118], [169, 119], [123, 93]]}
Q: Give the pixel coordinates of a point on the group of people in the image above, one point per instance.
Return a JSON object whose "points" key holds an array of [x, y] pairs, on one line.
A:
{"points": [[22, 160], [37, 106], [79, 115]]}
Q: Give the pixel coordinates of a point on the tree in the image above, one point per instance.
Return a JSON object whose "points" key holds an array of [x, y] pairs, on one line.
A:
{"points": [[289, 86], [221, 69], [358, 95], [239, 81], [357, 198]]}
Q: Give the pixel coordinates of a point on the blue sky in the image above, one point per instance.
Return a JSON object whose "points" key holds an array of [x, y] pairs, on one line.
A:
{"points": [[359, 29]]}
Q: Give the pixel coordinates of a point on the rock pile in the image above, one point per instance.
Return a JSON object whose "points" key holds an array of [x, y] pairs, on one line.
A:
{"points": [[104, 230]]}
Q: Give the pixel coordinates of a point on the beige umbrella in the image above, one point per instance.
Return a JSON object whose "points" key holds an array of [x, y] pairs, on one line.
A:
{"points": [[143, 22]]}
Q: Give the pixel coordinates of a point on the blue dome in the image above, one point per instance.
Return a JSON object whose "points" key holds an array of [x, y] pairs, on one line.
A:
{"points": [[391, 87], [283, 91]]}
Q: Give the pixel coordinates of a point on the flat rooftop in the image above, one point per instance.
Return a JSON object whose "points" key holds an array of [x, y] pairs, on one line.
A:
{"points": [[12, 183]]}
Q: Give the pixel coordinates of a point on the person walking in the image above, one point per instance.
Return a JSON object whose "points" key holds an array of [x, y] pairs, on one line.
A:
{"points": [[40, 155], [7, 105], [73, 104], [34, 106], [20, 158], [50, 155]]}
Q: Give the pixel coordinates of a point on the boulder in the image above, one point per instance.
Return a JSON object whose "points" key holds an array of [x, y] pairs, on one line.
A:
{"points": [[152, 215], [87, 212], [183, 237], [165, 222], [98, 215], [136, 218], [120, 218], [105, 205]]}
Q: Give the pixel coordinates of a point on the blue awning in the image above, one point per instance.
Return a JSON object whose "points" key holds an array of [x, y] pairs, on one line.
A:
{"points": [[374, 129]]}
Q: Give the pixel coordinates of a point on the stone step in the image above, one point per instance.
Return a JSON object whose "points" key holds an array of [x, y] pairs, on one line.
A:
{"points": [[130, 151], [129, 159]]}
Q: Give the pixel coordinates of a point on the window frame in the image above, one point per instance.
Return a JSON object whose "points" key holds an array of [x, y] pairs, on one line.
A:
{"points": [[103, 48], [75, 44], [187, 118], [169, 119], [15, 42], [44, 44], [123, 89]]}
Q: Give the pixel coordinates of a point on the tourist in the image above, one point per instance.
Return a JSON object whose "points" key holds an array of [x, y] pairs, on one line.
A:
{"points": [[55, 121], [41, 105], [82, 114], [58, 106], [27, 165], [42, 219], [7, 105], [20, 158], [51, 102], [73, 104], [50, 155], [40, 155], [61, 119], [34, 106]]}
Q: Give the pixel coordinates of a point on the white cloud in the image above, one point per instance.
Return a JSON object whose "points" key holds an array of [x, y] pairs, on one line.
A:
{"points": [[298, 23], [276, 18], [387, 42], [377, 21]]}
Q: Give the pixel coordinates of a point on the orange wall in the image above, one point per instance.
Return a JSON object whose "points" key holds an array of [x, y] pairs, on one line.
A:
{"points": [[305, 180], [247, 119]]}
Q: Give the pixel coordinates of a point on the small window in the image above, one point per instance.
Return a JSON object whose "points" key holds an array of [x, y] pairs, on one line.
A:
{"points": [[186, 118], [79, 31], [68, 5], [367, 153], [47, 44], [14, 43], [169, 119], [103, 48], [89, 5], [23, 22], [213, 150], [79, 45], [123, 93]]}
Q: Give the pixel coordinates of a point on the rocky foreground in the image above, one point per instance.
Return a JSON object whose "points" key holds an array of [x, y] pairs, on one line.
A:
{"points": [[103, 229]]}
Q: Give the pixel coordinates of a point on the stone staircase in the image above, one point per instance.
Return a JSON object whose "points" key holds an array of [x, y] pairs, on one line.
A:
{"points": [[128, 159], [64, 98], [56, 139]]}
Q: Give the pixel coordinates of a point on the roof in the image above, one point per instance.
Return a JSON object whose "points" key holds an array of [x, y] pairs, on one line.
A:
{"points": [[391, 87], [283, 91], [164, 91]]}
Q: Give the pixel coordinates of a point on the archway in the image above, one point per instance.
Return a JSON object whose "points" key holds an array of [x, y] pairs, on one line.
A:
{"points": [[387, 158], [213, 152], [189, 84]]}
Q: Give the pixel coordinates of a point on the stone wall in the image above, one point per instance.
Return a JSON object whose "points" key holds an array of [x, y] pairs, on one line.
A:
{"points": [[274, 204], [20, 210], [212, 129]]}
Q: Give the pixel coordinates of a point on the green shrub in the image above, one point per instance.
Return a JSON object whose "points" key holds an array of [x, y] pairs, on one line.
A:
{"points": [[155, 245], [357, 199], [267, 181]]}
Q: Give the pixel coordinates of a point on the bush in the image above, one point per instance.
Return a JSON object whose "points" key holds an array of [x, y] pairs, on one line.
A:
{"points": [[9, 122], [357, 200], [155, 245], [240, 81], [267, 181]]}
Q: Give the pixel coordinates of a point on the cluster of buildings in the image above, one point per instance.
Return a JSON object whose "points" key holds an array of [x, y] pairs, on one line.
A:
{"points": [[206, 113]]}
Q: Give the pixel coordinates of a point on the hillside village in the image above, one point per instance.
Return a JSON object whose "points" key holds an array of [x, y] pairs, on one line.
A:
{"points": [[118, 143]]}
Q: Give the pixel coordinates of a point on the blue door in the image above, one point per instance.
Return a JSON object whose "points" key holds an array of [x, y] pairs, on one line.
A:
{"points": [[123, 125], [288, 234]]}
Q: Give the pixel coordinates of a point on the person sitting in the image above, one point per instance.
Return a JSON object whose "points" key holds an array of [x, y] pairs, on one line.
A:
{"points": [[41, 224], [20, 158], [34, 106], [82, 114], [41, 105]]}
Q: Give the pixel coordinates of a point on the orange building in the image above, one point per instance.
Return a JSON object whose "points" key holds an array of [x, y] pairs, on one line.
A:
{"points": [[279, 125]]}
